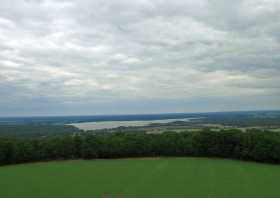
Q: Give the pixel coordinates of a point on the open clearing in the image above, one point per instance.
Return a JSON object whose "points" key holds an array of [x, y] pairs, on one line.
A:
{"points": [[133, 178]]}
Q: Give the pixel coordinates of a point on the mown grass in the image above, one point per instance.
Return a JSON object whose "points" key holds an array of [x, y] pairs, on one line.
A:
{"points": [[133, 178]]}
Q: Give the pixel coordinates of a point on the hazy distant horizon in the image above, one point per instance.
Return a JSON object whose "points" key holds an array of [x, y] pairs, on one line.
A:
{"points": [[139, 114]]}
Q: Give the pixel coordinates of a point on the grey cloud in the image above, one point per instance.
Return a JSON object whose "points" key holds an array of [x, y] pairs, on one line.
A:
{"points": [[91, 52]]}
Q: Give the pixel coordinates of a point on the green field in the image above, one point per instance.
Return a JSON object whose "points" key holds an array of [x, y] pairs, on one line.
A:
{"points": [[143, 178]]}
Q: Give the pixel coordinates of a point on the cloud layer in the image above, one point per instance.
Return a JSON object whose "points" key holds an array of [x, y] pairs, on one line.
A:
{"points": [[88, 57]]}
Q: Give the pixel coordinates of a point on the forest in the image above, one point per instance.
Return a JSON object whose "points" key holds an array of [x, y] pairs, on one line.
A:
{"points": [[252, 145], [33, 131]]}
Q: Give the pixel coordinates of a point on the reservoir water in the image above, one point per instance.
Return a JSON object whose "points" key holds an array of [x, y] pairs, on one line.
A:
{"points": [[115, 124]]}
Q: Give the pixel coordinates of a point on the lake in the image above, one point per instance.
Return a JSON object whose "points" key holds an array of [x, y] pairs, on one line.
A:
{"points": [[115, 124]]}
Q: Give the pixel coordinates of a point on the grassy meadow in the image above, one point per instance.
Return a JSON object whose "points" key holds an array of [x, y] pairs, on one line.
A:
{"points": [[139, 178]]}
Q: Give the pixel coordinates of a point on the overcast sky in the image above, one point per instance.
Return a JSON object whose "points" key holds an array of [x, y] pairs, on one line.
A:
{"points": [[60, 57]]}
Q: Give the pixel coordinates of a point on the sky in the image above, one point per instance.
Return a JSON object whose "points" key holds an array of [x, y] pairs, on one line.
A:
{"points": [[87, 57]]}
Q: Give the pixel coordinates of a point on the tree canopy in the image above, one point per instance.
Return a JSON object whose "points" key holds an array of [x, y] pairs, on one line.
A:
{"points": [[252, 145]]}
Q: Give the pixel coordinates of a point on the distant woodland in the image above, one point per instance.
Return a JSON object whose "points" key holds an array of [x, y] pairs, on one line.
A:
{"points": [[36, 131]]}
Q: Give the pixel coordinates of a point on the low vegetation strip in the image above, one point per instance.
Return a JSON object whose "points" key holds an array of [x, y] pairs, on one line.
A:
{"points": [[138, 178], [252, 145]]}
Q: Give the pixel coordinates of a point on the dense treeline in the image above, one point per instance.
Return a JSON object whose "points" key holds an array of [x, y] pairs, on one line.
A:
{"points": [[252, 145]]}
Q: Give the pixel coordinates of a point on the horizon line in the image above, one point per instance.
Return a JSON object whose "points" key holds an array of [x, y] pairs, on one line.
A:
{"points": [[137, 114]]}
